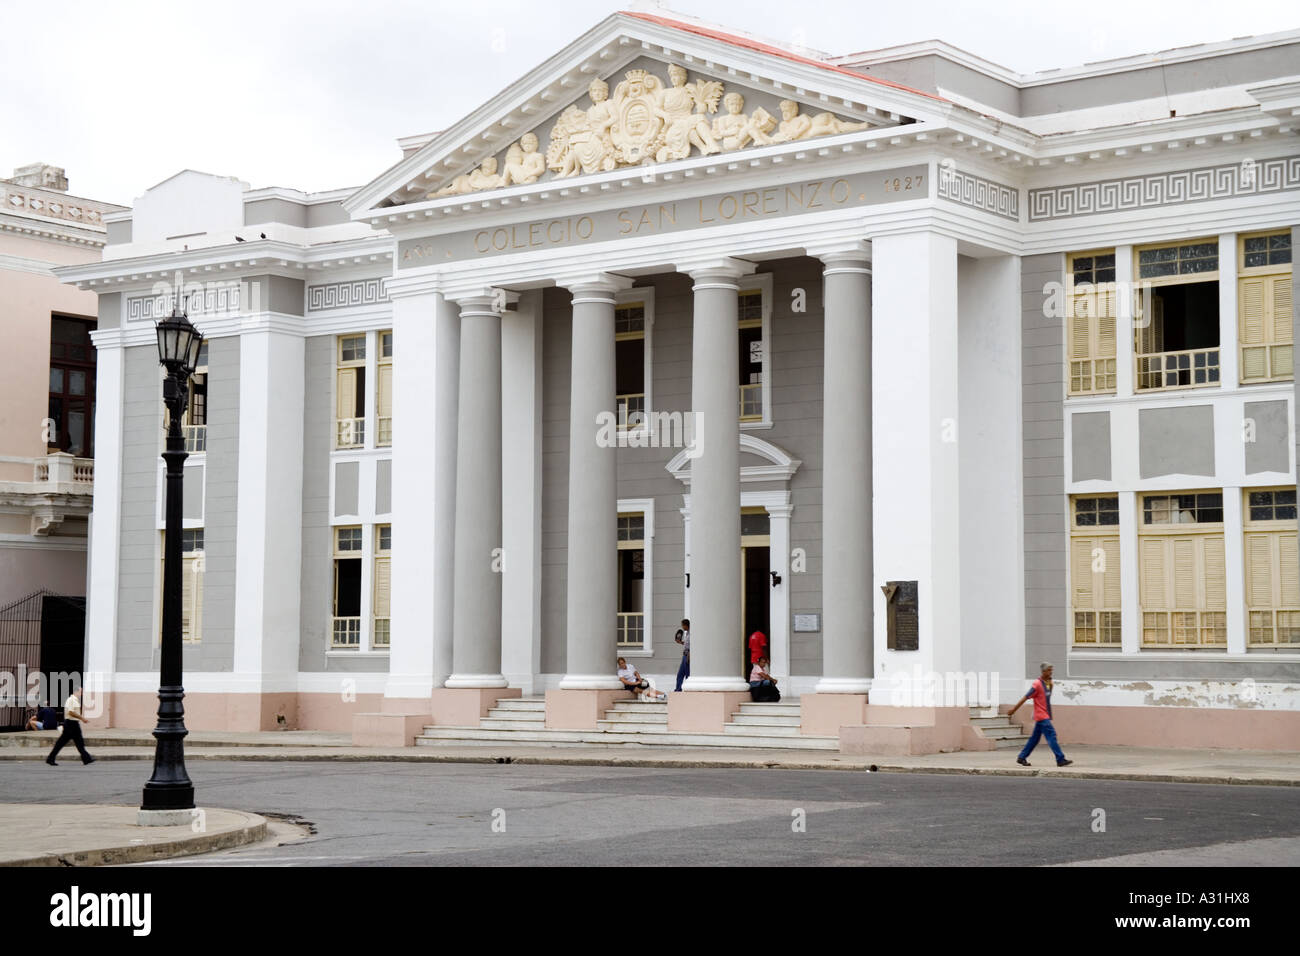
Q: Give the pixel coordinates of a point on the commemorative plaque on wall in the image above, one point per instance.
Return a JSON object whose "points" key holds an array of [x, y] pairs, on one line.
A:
{"points": [[903, 616]]}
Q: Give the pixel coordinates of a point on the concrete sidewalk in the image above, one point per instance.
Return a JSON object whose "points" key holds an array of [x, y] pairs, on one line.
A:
{"points": [[98, 835], [1090, 762]]}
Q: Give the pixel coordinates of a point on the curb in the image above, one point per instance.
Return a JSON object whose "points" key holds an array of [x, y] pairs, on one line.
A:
{"points": [[705, 762], [253, 831]]}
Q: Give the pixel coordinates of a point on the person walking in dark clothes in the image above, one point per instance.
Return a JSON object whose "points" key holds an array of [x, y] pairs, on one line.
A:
{"points": [[72, 720]]}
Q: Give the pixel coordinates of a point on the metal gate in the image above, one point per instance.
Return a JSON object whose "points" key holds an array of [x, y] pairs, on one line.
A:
{"points": [[20, 655], [42, 652]]}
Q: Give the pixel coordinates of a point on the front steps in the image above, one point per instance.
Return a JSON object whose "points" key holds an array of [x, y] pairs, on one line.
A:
{"points": [[523, 720], [998, 728]]}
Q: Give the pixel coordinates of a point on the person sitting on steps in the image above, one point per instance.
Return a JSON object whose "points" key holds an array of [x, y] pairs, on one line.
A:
{"points": [[762, 685], [637, 684]]}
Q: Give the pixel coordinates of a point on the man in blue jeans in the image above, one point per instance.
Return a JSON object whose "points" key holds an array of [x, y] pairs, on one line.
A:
{"points": [[683, 637], [1041, 694]]}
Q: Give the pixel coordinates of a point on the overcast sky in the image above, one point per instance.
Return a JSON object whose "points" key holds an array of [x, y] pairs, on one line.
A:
{"points": [[314, 94]]}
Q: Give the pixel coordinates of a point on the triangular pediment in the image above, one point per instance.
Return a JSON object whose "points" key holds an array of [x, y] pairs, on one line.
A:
{"points": [[638, 91]]}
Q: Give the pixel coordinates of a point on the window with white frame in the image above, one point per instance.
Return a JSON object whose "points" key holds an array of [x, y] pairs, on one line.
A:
{"points": [[631, 581], [194, 423], [383, 586], [350, 392], [384, 396], [346, 631], [1091, 315], [1264, 319], [1176, 315], [1181, 566], [192, 567], [1272, 568], [751, 354], [630, 362], [1094, 570]]}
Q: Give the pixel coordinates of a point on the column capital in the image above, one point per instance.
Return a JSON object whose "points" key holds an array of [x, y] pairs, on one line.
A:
{"points": [[716, 271], [593, 286], [483, 300], [852, 255]]}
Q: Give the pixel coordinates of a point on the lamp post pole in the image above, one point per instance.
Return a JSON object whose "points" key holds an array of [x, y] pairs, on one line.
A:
{"points": [[170, 789]]}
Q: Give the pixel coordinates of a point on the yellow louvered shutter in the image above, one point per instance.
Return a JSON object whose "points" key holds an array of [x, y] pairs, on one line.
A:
{"points": [[1288, 571], [1259, 570], [1184, 563], [347, 395], [1216, 593], [385, 391], [1154, 587], [1251, 317], [383, 587], [1281, 322], [192, 598], [1081, 574], [1110, 578]]}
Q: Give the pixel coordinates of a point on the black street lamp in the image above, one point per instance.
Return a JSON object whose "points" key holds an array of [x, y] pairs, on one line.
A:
{"points": [[170, 788]]}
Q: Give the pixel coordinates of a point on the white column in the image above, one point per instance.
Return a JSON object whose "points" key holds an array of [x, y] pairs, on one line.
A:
{"points": [[521, 466], [426, 343], [915, 372], [1128, 291], [847, 575], [1234, 560], [268, 518], [1228, 349], [715, 476], [476, 614], [1130, 617], [779, 616], [106, 516], [592, 609]]}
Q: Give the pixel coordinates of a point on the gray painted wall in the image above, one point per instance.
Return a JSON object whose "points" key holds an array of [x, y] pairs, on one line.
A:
{"points": [[347, 475], [1269, 451], [110, 310], [275, 294], [217, 651], [139, 542], [1176, 441], [796, 374], [1043, 408], [118, 232], [193, 493], [383, 486], [1090, 446]]}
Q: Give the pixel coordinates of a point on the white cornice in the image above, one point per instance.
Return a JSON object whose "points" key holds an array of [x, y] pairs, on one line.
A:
{"points": [[229, 262], [947, 51], [58, 230]]}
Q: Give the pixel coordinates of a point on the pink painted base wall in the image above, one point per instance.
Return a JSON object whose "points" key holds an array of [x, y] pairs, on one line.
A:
{"points": [[1200, 727], [580, 709], [241, 712]]}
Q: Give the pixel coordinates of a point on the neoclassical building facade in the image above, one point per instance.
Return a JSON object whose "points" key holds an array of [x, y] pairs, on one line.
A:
{"points": [[925, 369]]}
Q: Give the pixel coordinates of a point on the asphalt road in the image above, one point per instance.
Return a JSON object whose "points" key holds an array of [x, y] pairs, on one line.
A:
{"points": [[489, 814]]}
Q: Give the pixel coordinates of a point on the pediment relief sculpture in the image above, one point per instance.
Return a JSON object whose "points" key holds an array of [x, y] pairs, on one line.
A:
{"points": [[646, 121]]}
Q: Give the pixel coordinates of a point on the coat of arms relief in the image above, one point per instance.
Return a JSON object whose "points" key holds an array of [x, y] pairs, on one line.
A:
{"points": [[646, 121]]}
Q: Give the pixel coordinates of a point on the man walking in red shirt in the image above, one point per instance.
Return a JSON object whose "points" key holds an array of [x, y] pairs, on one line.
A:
{"points": [[1041, 694]]}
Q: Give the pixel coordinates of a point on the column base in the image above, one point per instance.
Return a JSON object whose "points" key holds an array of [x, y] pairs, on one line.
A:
{"points": [[580, 709], [843, 685], [166, 818], [822, 714], [897, 731], [389, 729], [703, 712], [466, 706]]}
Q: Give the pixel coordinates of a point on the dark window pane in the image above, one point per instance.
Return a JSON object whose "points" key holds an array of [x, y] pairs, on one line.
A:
{"points": [[1261, 514], [1256, 244], [1285, 513], [1256, 259], [1105, 275], [1260, 498], [1106, 261], [1284, 497], [56, 380]]}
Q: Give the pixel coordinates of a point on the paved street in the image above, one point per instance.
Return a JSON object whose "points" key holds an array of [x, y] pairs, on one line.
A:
{"points": [[454, 814]]}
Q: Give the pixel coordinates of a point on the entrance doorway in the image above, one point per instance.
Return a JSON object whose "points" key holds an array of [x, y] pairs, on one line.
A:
{"points": [[755, 586]]}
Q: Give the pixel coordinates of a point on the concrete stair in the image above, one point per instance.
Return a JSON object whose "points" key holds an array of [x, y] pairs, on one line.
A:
{"points": [[522, 720], [997, 727]]}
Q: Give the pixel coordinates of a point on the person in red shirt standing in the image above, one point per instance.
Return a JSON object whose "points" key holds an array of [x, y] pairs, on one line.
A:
{"points": [[1040, 692], [757, 647]]}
